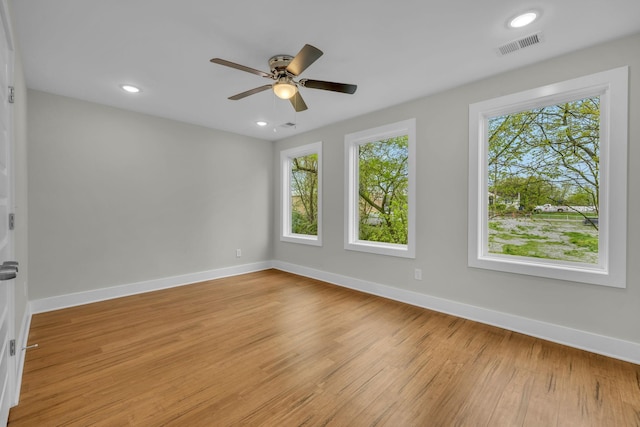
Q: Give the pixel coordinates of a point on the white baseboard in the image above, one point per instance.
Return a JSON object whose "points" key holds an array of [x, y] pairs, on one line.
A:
{"points": [[607, 346], [71, 300], [21, 343]]}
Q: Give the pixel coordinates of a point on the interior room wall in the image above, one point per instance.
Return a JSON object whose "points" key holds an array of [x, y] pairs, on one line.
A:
{"points": [[117, 197], [442, 173]]}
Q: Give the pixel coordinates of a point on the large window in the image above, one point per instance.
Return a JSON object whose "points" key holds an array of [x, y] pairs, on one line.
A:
{"points": [[301, 194], [380, 190], [547, 185]]}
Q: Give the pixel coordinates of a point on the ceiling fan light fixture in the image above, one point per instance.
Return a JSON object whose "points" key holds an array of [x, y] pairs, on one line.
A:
{"points": [[284, 89]]}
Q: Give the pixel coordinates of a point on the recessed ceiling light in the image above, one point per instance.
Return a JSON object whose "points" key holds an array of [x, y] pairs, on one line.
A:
{"points": [[262, 123], [523, 19], [130, 88]]}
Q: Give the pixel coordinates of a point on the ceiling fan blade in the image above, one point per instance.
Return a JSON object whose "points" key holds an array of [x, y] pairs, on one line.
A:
{"points": [[307, 56], [250, 92], [298, 103], [335, 87], [240, 67]]}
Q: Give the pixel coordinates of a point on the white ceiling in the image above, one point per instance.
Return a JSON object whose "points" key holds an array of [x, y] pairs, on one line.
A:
{"points": [[393, 50]]}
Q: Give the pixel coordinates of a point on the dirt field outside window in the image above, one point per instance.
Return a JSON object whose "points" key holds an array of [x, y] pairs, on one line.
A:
{"points": [[555, 239]]}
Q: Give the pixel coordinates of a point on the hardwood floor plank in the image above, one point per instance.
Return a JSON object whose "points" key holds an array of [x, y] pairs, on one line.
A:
{"points": [[276, 349]]}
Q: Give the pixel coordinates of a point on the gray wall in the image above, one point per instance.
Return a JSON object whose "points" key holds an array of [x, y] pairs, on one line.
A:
{"points": [[117, 197], [442, 153]]}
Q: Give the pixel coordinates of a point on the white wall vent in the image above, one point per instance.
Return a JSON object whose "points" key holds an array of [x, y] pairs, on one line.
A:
{"points": [[513, 46]]}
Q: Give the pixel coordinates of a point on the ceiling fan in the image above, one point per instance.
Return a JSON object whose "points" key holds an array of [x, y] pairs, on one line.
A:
{"points": [[284, 69]]}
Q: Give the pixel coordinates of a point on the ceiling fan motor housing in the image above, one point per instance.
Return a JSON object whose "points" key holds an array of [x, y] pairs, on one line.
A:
{"points": [[279, 63]]}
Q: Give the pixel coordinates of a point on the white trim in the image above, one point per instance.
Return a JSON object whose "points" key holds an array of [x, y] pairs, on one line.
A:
{"points": [[285, 194], [612, 87], [8, 28], [351, 195], [21, 343], [600, 344], [71, 300]]}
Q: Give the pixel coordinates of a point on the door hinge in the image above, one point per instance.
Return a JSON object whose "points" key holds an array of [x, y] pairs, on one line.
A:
{"points": [[12, 348], [12, 94], [12, 221]]}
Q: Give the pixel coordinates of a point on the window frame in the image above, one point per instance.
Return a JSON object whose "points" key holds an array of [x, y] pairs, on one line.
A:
{"points": [[612, 87], [286, 157], [351, 232]]}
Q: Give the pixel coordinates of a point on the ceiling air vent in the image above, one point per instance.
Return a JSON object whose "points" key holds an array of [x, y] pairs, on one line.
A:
{"points": [[520, 44], [288, 125]]}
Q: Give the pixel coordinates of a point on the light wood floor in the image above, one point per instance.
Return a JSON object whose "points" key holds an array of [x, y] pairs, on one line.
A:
{"points": [[275, 349]]}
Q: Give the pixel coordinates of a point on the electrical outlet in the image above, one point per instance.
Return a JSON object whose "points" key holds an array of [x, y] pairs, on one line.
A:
{"points": [[417, 274], [238, 253]]}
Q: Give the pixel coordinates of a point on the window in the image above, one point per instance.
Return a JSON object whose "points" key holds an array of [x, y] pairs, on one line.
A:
{"points": [[302, 194], [380, 190], [547, 181]]}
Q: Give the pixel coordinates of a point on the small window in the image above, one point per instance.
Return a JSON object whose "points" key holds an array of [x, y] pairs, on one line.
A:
{"points": [[302, 194], [380, 190], [547, 182]]}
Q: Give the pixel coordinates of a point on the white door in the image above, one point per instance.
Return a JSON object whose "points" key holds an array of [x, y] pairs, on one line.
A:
{"points": [[7, 361]]}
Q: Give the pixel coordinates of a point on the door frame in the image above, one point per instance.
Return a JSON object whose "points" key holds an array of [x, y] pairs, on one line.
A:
{"points": [[11, 393]]}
